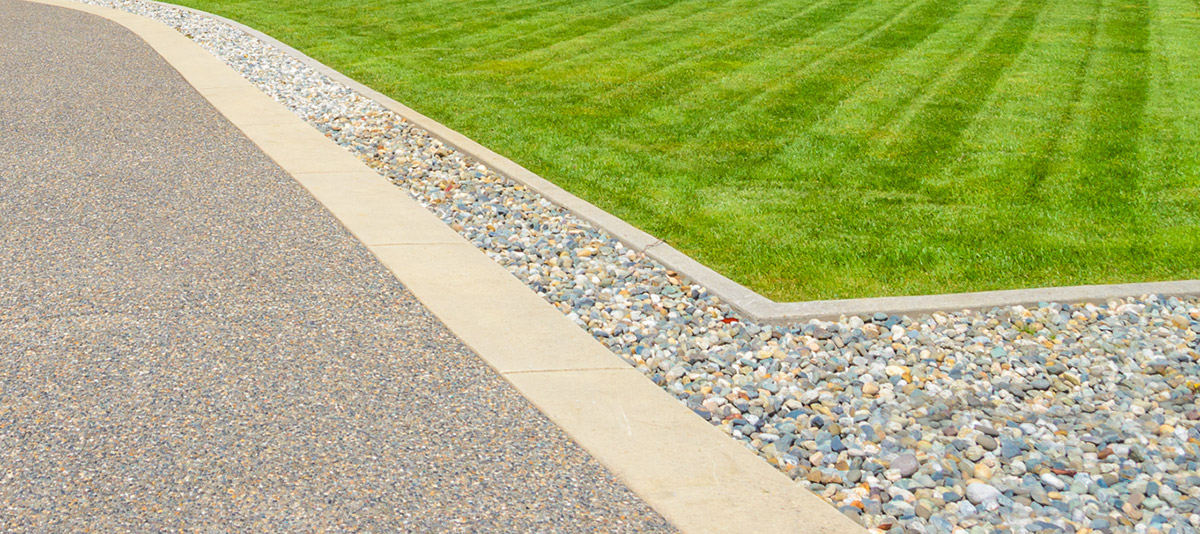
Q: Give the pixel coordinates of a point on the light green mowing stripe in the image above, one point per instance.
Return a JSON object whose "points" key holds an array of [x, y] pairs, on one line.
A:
{"points": [[816, 149], [1172, 131]]}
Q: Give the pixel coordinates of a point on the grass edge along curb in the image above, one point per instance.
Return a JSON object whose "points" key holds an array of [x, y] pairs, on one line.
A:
{"points": [[749, 303]]}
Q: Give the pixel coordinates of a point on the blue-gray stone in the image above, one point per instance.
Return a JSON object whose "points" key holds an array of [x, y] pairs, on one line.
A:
{"points": [[941, 525], [853, 476], [836, 444], [899, 508], [966, 509]]}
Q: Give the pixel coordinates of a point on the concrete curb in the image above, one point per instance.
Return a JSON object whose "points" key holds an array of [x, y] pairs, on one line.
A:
{"points": [[746, 301], [794, 311], [690, 472]]}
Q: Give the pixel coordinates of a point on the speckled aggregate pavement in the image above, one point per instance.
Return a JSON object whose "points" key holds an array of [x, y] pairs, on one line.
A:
{"points": [[188, 341]]}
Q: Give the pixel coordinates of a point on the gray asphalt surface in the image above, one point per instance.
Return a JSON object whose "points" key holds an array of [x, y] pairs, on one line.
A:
{"points": [[188, 341]]}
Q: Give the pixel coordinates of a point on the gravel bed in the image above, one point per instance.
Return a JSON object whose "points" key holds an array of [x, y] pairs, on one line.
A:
{"points": [[1060, 418]]}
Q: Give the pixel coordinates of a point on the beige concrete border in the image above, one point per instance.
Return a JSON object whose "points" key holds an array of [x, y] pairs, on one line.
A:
{"points": [[749, 303], [690, 472]]}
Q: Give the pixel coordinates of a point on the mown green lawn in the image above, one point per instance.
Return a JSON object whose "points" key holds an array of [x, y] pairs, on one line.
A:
{"points": [[820, 148]]}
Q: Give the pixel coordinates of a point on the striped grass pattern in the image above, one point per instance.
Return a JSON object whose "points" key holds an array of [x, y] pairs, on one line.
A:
{"points": [[817, 149]]}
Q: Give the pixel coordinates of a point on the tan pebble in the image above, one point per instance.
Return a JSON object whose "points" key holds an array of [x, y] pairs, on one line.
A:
{"points": [[1131, 512], [870, 388], [1166, 430], [982, 471], [831, 479]]}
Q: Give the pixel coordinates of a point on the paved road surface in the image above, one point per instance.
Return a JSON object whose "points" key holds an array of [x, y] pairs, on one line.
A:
{"points": [[188, 341]]}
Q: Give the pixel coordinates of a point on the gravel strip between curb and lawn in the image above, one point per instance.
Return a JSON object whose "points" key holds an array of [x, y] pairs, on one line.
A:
{"points": [[1059, 417]]}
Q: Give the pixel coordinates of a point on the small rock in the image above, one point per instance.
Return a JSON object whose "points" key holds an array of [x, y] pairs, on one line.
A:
{"points": [[923, 510], [1053, 481], [1131, 512], [980, 493], [906, 464], [987, 442], [973, 454]]}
